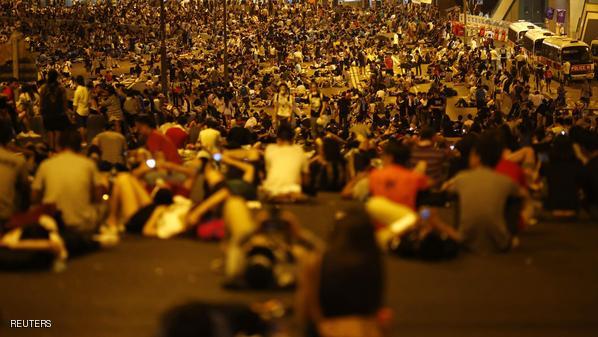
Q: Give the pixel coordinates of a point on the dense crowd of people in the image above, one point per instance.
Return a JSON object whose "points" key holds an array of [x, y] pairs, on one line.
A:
{"points": [[317, 99]]}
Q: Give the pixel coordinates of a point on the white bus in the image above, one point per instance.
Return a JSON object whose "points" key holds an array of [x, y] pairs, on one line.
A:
{"points": [[556, 50], [517, 30], [532, 43]]}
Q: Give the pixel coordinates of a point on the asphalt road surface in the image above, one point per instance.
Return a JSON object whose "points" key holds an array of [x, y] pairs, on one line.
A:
{"points": [[546, 288]]}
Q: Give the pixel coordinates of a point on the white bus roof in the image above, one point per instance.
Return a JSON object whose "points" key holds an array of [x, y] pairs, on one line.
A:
{"points": [[563, 42], [536, 34], [521, 26]]}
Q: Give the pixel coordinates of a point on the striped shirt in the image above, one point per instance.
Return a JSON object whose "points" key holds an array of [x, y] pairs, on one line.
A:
{"points": [[435, 161]]}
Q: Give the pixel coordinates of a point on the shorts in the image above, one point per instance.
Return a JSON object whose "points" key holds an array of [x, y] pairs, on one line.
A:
{"points": [[80, 121]]}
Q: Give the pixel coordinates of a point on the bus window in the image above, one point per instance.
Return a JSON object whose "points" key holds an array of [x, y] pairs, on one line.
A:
{"points": [[538, 47], [521, 34], [595, 50], [512, 35], [577, 55], [527, 43]]}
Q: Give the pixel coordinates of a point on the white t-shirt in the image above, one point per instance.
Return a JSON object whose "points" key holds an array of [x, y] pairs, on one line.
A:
{"points": [[285, 105], [81, 101], [209, 139], [67, 180], [536, 99], [494, 55], [284, 165]]}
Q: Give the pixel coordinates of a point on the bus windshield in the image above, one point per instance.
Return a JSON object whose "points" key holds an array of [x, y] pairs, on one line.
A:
{"points": [[577, 55]]}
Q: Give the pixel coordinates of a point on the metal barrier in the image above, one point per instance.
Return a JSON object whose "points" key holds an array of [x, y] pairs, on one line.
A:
{"points": [[483, 26]]}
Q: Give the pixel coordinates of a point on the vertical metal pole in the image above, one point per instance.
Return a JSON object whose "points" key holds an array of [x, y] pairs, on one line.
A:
{"points": [[16, 57], [465, 31], [225, 53], [163, 63]]}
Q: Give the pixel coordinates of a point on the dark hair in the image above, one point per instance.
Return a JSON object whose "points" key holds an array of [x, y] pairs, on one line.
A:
{"points": [[332, 150], [285, 132], [354, 231], [199, 319], [5, 131], [145, 120], [259, 271], [562, 150], [506, 137], [110, 89], [237, 137], [52, 76], [434, 247], [400, 153], [489, 148], [80, 80], [427, 133], [352, 260], [70, 139], [211, 123], [163, 197]]}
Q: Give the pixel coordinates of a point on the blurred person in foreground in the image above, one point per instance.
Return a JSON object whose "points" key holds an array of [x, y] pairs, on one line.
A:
{"points": [[340, 291], [483, 195], [14, 184]]}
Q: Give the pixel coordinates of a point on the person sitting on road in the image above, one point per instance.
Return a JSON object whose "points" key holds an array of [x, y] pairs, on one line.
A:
{"points": [[286, 167], [483, 195]]}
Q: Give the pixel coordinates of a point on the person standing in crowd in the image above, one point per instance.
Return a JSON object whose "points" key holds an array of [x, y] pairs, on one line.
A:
{"points": [[316, 106], [566, 72], [503, 58], [111, 103], [284, 105], [81, 105], [53, 108]]}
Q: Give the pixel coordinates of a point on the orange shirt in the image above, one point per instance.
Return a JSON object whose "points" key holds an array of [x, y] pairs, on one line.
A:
{"points": [[397, 184]]}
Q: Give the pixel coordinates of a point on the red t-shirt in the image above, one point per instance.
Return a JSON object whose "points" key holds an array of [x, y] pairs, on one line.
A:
{"points": [[397, 184], [388, 62], [178, 136], [157, 142], [9, 93], [511, 170]]}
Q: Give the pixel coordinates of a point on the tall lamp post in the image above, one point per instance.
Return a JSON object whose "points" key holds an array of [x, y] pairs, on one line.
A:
{"points": [[465, 31], [163, 64], [225, 53]]}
